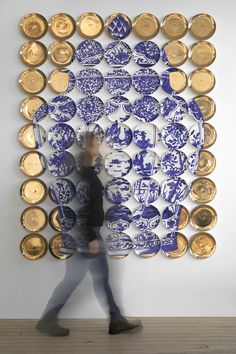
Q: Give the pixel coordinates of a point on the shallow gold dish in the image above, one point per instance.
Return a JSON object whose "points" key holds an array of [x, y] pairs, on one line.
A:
{"points": [[202, 245], [33, 246], [182, 247], [203, 218], [33, 191], [203, 190], [146, 26]]}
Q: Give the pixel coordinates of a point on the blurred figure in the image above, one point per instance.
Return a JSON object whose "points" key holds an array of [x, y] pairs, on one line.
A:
{"points": [[93, 258]]}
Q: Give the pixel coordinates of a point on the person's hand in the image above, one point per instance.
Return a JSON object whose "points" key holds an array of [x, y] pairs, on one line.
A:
{"points": [[94, 246]]}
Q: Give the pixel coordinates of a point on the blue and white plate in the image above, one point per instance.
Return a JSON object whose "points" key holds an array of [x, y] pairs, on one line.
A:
{"points": [[61, 108], [118, 54], [146, 190], [195, 111], [39, 135], [118, 163], [118, 136], [61, 163], [82, 191], [146, 81], [94, 128], [97, 162], [146, 53], [90, 109], [196, 135], [118, 218], [169, 242], [193, 161], [118, 81], [146, 135], [146, 163], [118, 109], [146, 217], [171, 216], [146, 244], [89, 81], [68, 243], [118, 190], [119, 27], [118, 245], [174, 108], [146, 108], [166, 80], [61, 136], [174, 190], [62, 191], [89, 52], [174, 136], [41, 112], [67, 218], [174, 163]]}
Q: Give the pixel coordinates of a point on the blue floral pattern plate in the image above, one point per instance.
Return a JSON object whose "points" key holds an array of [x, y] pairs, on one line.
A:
{"points": [[146, 108], [61, 163], [118, 109], [146, 53], [119, 27], [118, 163], [118, 54], [146, 217], [117, 82], [174, 136], [169, 242], [146, 163], [146, 135], [193, 161], [89, 52], [41, 112], [146, 244], [94, 128], [174, 163], [118, 190], [118, 136], [61, 108], [90, 108], [174, 190], [195, 111], [166, 80], [61, 191], [61, 136], [67, 218], [89, 81], [171, 216], [82, 191], [196, 135], [174, 108], [146, 81], [118, 245], [146, 190], [97, 162], [118, 218]]}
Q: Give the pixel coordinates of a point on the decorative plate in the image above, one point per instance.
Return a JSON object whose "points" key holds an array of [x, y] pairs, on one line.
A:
{"points": [[174, 108], [93, 127], [118, 109], [61, 136], [146, 190], [118, 218], [146, 108], [82, 215], [67, 218], [61, 163], [146, 135], [61, 108], [171, 84], [118, 163], [146, 81], [62, 191], [41, 112], [146, 217], [89, 52], [118, 54], [171, 216], [169, 242], [146, 53], [118, 136], [193, 161], [118, 190], [118, 26], [174, 163], [146, 244], [196, 135], [89, 81], [195, 111], [117, 82], [82, 192], [146, 163], [174, 189], [118, 245], [174, 136], [62, 80], [68, 244], [97, 162], [90, 109]]}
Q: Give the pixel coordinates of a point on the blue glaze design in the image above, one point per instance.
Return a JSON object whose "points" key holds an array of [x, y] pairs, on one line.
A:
{"points": [[165, 80], [174, 108], [169, 242], [97, 162], [119, 27], [146, 163], [146, 108], [147, 243], [61, 191], [171, 216], [93, 127], [41, 113], [146, 135], [117, 82], [118, 136], [82, 215], [118, 218], [118, 244], [67, 218], [62, 108], [118, 109], [146, 190], [68, 243], [118, 163], [174, 136], [89, 52], [193, 161], [164, 57], [39, 135], [61, 136], [146, 81], [89, 81], [82, 192], [118, 190], [90, 108], [146, 53], [61, 163], [146, 217], [118, 54], [196, 135], [195, 111], [174, 190], [174, 163]]}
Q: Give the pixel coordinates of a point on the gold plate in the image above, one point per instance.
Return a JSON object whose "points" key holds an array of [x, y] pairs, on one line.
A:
{"points": [[33, 191], [210, 135], [62, 26], [59, 80], [203, 190], [33, 246], [54, 219], [176, 53], [90, 25], [33, 163], [33, 81], [182, 243], [54, 248], [146, 26], [202, 54], [30, 105], [183, 218], [202, 81], [111, 18], [207, 106], [202, 26], [29, 133], [203, 218], [178, 80], [202, 245], [34, 218], [61, 53], [33, 53], [174, 26], [34, 26], [206, 163]]}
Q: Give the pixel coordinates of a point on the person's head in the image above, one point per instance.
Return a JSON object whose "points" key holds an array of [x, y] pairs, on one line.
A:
{"points": [[91, 147]]}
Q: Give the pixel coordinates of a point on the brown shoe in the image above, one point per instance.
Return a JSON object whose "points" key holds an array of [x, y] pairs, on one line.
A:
{"points": [[116, 327], [52, 328]]}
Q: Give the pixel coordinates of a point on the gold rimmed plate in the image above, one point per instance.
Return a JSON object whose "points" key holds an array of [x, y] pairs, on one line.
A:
{"points": [[32, 81], [32, 136], [90, 25], [33, 191], [61, 53], [202, 81], [34, 218], [33, 26], [62, 26], [182, 244], [206, 163], [202, 245], [202, 26], [202, 54], [174, 26], [146, 26], [55, 248], [174, 53], [206, 105], [33, 246], [210, 135], [33, 105], [33, 53], [203, 217], [33, 163], [203, 190]]}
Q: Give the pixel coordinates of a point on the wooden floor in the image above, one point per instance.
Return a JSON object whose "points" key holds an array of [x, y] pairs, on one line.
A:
{"points": [[159, 336]]}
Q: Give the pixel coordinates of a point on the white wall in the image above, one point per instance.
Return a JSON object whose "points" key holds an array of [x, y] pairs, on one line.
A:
{"points": [[147, 287]]}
